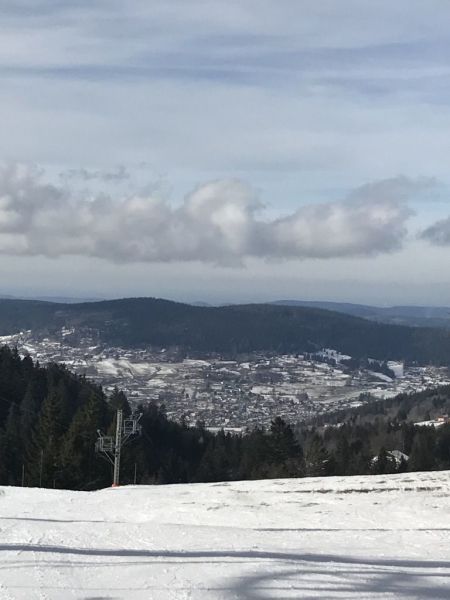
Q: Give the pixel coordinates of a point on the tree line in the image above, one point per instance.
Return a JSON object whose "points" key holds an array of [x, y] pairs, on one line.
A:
{"points": [[49, 420]]}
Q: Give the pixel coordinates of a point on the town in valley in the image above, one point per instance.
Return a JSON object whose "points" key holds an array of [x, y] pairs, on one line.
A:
{"points": [[223, 393]]}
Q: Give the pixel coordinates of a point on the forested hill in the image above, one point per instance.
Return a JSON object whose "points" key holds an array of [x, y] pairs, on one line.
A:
{"points": [[413, 316], [229, 329]]}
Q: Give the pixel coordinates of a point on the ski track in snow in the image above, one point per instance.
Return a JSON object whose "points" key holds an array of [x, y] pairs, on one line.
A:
{"points": [[336, 537]]}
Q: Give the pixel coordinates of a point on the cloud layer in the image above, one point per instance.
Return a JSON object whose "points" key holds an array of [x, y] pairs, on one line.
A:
{"points": [[317, 90], [220, 222]]}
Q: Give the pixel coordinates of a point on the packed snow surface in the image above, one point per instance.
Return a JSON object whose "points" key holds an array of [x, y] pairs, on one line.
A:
{"points": [[354, 537]]}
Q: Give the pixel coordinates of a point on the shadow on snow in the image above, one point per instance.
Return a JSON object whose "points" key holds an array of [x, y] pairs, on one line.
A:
{"points": [[288, 575]]}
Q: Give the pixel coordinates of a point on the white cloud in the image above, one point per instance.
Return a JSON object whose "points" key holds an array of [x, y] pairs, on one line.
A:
{"points": [[220, 222]]}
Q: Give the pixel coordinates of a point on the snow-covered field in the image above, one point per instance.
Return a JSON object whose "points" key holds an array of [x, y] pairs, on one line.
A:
{"points": [[354, 537]]}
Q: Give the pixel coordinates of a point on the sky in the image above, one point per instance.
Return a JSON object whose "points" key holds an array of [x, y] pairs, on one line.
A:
{"points": [[226, 151]]}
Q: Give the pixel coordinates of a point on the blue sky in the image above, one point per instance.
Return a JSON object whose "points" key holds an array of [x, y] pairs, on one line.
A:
{"points": [[226, 151]]}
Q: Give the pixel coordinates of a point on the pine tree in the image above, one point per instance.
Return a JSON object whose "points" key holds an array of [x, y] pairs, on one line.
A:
{"points": [[342, 456], [286, 453], [318, 460], [79, 465], [44, 459], [119, 401], [282, 441], [382, 463], [12, 447], [29, 411], [422, 453], [255, 455]]}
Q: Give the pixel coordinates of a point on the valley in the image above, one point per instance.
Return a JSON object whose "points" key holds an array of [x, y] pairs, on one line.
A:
{"points": [[232, 394]]}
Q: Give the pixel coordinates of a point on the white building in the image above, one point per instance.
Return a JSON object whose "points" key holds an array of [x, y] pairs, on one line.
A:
{"points": [[397, 367]]}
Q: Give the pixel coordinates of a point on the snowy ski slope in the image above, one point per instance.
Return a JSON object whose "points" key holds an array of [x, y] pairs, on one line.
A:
{"points": [[354, 537]]}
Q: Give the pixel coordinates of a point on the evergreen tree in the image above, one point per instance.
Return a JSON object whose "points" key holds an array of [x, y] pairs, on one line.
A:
{"points": [[443, 447], [44, 458], [119, 401], [255, 455], [318, 460], [80, 466], [422, 456], [342, 455], [383, 463], [215, 463], [286, 455], [29, 410], [12, 447]]}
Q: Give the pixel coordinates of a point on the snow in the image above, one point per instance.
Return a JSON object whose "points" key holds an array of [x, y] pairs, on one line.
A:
{"points": [[334, 354], [398, 368], [120, 367], [380, 376], [396, 455], [432, 423], [355, 537], [196, 363]]}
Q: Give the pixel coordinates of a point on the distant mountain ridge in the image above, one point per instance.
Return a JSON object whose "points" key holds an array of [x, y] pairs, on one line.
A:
{"points": [[133, 322], [56, 299], [415, 316]]}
